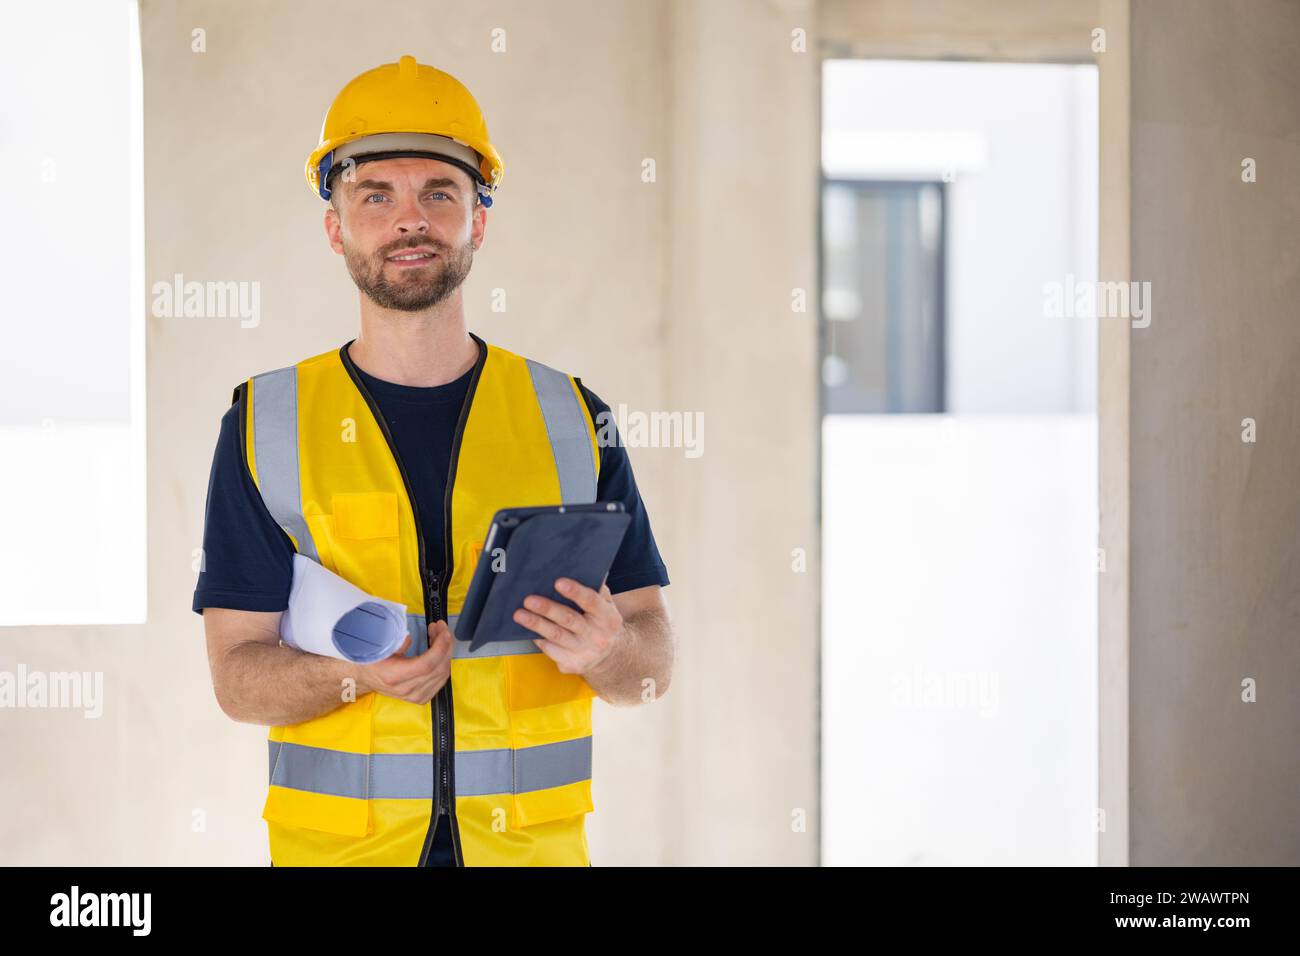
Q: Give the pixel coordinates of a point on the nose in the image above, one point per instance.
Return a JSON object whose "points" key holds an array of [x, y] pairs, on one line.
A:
{"points": [[411, 218]]}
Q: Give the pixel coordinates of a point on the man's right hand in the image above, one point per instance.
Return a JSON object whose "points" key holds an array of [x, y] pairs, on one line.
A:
{"points": [[414, 679]]}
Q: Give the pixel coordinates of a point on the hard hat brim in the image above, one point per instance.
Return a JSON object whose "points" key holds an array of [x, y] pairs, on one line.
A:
{"points": [[488, 174], [359, 158]]}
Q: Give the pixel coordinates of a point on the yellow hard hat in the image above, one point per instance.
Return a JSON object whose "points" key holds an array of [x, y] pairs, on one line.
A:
{"points": [[405, 109]]}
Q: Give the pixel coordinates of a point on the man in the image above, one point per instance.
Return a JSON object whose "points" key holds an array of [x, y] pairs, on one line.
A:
{"points": [[384, 461]]}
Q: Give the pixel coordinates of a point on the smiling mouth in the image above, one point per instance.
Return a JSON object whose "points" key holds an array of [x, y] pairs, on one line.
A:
{"points": [[412, 258]]}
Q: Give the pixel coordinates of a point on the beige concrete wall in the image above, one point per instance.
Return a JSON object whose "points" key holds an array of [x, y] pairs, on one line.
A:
{"points": [[666, 295], [1214, 596], [742, 227]]}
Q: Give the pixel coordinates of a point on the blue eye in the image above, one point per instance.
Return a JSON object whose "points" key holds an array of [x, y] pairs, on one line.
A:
{"points": [[443, 195], [375, 196]]}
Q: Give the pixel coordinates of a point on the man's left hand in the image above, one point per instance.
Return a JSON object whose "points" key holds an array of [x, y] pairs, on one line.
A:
{"points": [[578, 642]]}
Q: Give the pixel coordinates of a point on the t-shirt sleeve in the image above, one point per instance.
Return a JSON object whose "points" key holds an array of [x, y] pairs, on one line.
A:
{"points": [[247, 558], [637, 563]]}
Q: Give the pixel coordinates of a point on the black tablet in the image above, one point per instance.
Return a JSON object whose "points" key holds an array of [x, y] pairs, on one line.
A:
{"points": [[525, 550]]}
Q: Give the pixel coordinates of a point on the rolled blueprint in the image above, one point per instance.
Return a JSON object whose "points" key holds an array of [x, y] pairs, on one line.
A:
{"points": [[334, 618]]}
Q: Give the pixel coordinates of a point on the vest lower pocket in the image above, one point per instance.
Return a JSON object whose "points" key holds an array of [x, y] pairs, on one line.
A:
{"points": [[319, 771], [543, 806], [550, 733], [552, 781], [315, 811]]}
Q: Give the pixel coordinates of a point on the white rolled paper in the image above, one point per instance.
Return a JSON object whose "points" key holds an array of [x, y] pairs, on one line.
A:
{"points": [[334, 618]]}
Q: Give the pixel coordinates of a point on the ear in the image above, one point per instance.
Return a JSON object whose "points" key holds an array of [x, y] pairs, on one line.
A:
{"points": [[334, 230], [478, 225]]}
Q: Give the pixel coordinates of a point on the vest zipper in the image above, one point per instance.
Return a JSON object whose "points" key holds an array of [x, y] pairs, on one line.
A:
{"points": [[442, 708], [435, 593], [441, 790], [448, 564]]}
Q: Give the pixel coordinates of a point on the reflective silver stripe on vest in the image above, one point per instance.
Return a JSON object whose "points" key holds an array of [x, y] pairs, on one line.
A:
{"points": [[566, 424], [460, 649], [552, 765], [410, 776], [419, 635], [275, 453], [483, 772], [342, 774]]}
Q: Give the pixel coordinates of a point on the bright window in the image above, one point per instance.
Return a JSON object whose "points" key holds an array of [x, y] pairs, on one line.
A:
{"points": [[72, 479]]}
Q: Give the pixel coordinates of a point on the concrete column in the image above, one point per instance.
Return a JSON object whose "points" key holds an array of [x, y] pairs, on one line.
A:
{"points": [[740, 185], [1214, 595]]}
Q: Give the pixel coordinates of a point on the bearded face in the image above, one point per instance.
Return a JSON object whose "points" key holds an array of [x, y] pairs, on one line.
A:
{"points": [[409, 275], [407, 228]]}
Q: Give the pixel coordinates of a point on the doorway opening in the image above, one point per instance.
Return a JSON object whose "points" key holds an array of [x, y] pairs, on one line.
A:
{"points": [[959, 463]]}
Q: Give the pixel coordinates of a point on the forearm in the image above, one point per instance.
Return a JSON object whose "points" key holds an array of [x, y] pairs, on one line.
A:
{"points": [[271, 685], [640, 667]]}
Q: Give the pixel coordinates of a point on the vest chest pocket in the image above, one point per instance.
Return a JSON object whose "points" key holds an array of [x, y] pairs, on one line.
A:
{"points": [[550, 731], [365, 545]]}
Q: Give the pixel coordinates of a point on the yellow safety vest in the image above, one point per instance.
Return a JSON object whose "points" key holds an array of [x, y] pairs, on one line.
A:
{"points": [[505, 746]]}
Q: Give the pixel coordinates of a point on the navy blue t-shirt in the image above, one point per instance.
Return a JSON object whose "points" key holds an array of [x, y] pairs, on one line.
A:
{"points": [[248, 559]]}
